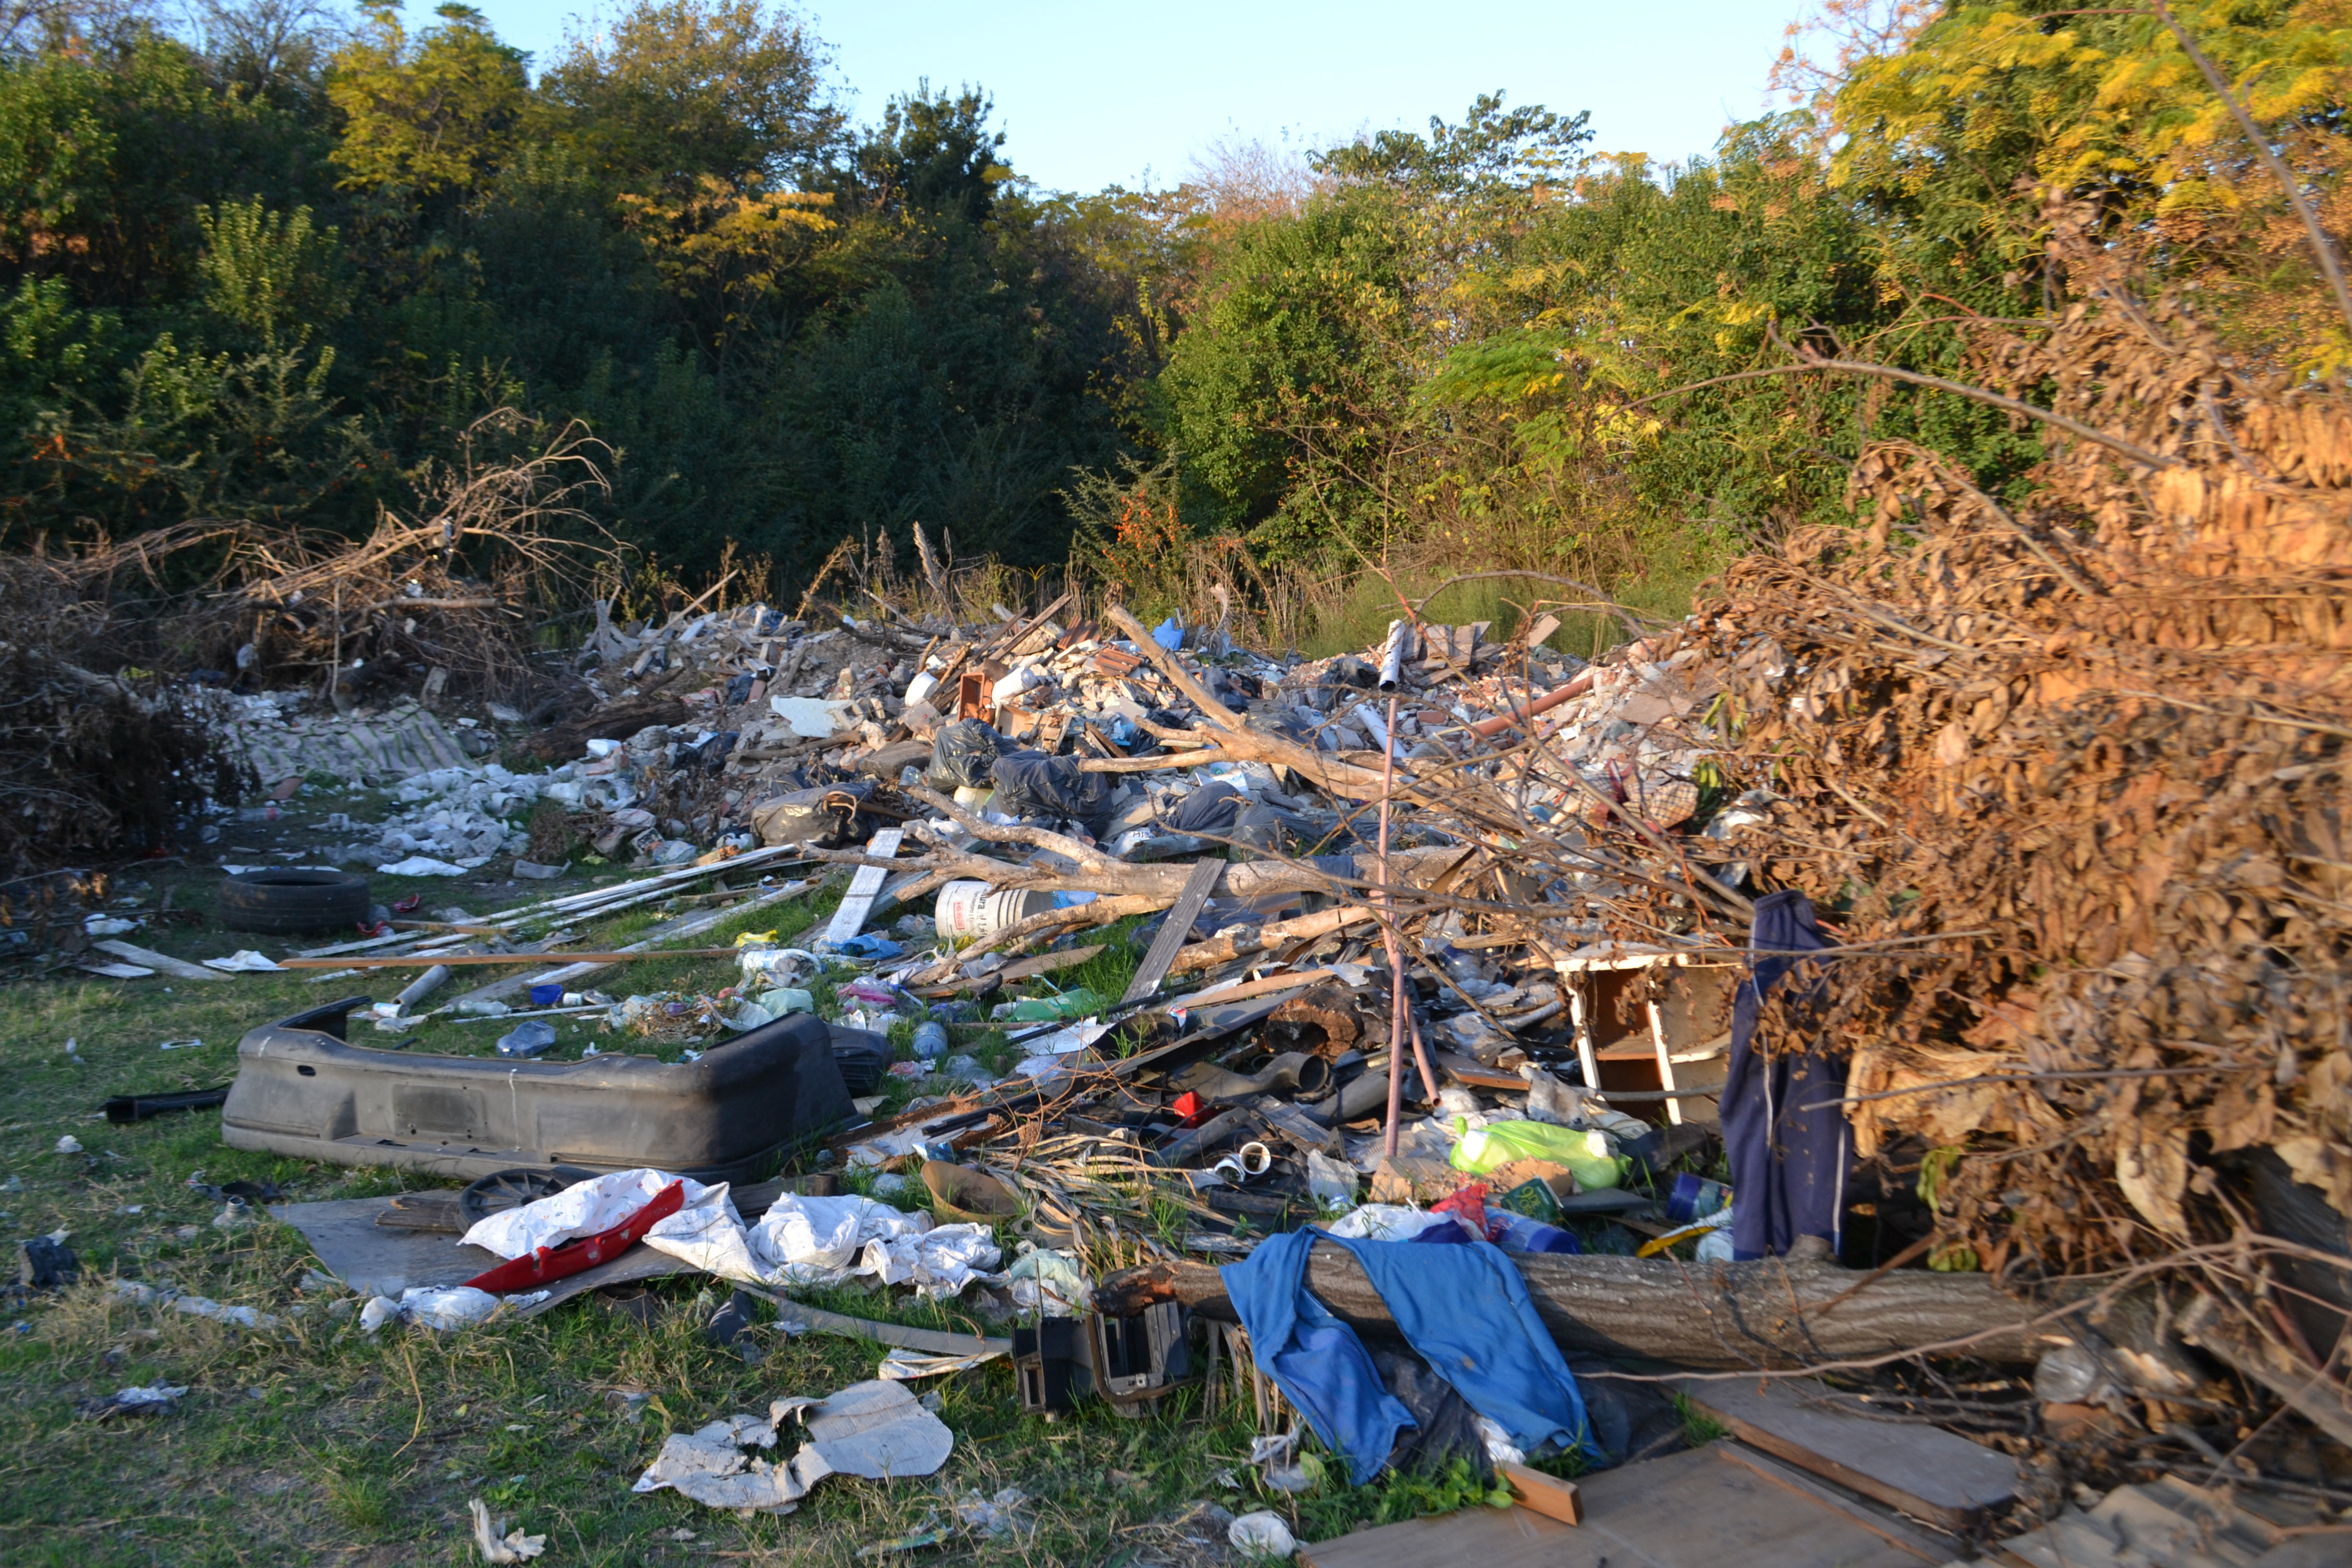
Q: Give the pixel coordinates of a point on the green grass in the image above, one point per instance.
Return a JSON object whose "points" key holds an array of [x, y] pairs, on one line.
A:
{"points": [[316, 1442], [1358, 617]]}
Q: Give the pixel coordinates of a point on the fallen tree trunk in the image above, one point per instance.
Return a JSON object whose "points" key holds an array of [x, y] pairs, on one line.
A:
{"points": [[1721, 1316]]}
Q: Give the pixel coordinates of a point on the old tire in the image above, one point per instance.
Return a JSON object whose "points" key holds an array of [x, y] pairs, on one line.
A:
{"points": [[282, 903]]}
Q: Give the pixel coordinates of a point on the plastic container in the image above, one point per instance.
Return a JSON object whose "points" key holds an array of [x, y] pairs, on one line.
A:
{"points": [[966, 912], [930, 1039], [919, 689], [529, 1038], [1694, 1198], [547, 995], [1026, 678]]}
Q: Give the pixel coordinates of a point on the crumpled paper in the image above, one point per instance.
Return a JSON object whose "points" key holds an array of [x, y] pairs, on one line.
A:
{"points": [[873, 1429], [513, 1547]]}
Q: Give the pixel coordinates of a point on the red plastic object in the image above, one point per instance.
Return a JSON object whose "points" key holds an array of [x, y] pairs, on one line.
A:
{"points": [[1189, 1110], [549, 1263], [409, 905], [1467, 1204]]}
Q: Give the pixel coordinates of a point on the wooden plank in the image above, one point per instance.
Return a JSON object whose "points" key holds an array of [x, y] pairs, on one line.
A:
{"points": [[177, 968], [1701, 1509], [850, 918], [1924, 1471], [1175, 931], [1546, 1495]]}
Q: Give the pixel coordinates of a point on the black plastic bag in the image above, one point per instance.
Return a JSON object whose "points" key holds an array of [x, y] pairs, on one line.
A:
{"points": [[963, 755], [826, 818], [1209, 809], [1031, 785]]}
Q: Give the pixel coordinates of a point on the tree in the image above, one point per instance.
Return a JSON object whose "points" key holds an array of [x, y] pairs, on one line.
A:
{"points": [[438, 113], [677, 91], [933, 154]]}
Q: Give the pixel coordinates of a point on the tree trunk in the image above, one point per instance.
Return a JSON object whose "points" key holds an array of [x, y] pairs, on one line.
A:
{"points": [[1705, 1316]]}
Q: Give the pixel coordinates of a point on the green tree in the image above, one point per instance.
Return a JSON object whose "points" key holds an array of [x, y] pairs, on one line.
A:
{"points": [[677, 91], [438, 112]]}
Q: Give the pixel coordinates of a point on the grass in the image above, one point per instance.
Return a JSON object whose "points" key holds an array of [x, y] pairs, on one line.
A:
{"points": [[1357, 616], [316, 1442]]}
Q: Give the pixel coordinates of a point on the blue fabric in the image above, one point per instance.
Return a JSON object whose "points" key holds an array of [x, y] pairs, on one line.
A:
{"points": [[1467, 1311], [1788, 1163], [1314, 1358]]}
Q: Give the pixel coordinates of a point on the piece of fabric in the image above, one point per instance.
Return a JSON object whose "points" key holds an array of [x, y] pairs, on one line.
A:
{"points": [[1316, 1360], [1788, 1162], [1444, 1427], [1467, 1311]]}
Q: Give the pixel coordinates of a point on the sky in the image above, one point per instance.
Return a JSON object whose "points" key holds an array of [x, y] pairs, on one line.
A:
{"points": [[1090, 95]]}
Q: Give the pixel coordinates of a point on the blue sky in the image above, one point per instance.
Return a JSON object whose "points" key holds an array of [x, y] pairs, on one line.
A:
{"points": [[1096, 94]]}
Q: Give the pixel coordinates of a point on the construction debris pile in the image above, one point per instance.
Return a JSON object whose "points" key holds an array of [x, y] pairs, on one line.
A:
{"points": [[1937, 945]]}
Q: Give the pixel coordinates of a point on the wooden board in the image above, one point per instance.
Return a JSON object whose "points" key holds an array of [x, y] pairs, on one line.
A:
{"points": [[1709, 1507], [177, 968], [1924, 1471], [1175, 931], [856, 904]]}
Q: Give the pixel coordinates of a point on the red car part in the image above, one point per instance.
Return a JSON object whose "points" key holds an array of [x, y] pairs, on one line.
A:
{"points": [[584, 1252]]}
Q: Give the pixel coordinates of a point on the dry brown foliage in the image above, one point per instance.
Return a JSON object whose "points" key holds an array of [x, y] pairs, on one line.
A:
{"points": [[2096, 742]]}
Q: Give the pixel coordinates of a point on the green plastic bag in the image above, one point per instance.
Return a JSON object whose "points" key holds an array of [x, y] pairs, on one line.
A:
{"points": [[1481, 1150]]}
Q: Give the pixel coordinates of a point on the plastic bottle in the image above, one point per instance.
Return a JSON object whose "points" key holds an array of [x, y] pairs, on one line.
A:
{"points": [[1069, 1004], [930, 1040]]}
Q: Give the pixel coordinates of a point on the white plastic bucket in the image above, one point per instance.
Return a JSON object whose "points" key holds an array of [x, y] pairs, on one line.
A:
{"points": [[919, 689], [969, 911]]}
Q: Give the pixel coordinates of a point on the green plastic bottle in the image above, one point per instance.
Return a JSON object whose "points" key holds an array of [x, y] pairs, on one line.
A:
{"points": [[1068, 1004]]}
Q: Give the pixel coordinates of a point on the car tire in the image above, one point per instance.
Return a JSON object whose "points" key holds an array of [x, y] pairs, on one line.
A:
{"points": [[282, 903]]}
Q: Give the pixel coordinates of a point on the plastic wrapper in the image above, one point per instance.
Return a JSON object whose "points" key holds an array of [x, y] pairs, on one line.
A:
{"points": [[1586, 1154]]}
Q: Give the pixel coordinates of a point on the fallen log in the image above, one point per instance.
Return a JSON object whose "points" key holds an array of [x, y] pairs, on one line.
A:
{"points": [[1709, 1316]]}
